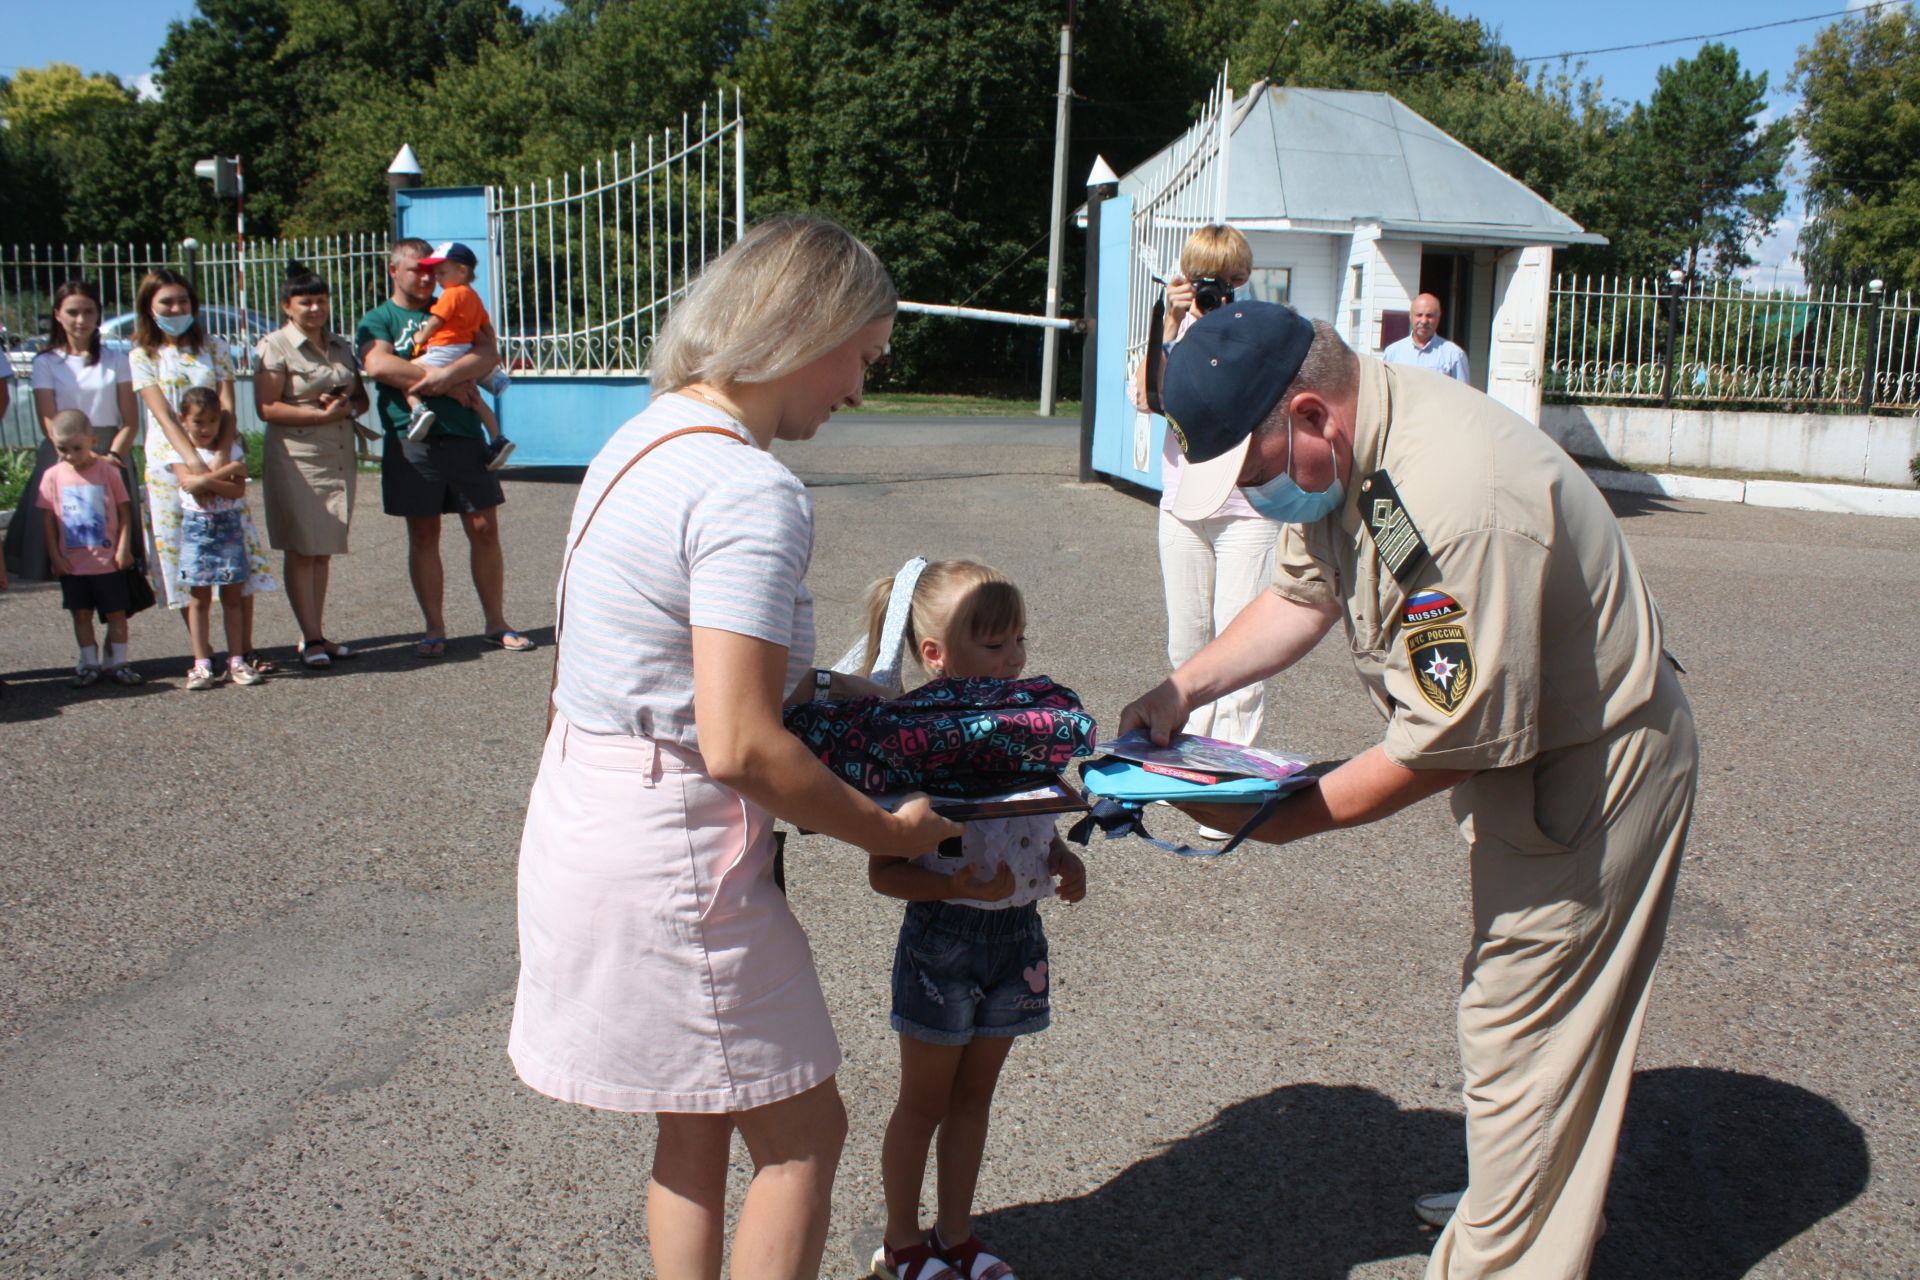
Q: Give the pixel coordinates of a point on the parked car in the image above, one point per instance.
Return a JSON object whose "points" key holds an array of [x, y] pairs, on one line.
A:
{"points": [[239, 329]]}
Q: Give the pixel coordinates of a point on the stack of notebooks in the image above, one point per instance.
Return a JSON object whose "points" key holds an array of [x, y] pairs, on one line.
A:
{"points": [[1132, 770]]}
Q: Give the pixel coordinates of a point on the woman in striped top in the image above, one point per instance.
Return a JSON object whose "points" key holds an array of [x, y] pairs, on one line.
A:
{"points": [[661, 969]]}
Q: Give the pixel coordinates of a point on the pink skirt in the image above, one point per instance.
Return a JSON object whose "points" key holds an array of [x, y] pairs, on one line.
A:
{"points": [[660, 967]]}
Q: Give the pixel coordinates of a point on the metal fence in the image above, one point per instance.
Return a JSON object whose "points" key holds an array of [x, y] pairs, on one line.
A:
{"points": [[1722, 344], [238, 288], [589, 267], [1185, 191]]}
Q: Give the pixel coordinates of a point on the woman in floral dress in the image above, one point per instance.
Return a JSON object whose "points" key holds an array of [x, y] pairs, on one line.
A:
{"points": [[172, 351]]}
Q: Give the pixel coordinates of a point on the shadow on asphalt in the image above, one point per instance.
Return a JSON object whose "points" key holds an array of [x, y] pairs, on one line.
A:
{"points": [[43, 692], [1628, 505], [1718, 1169]]}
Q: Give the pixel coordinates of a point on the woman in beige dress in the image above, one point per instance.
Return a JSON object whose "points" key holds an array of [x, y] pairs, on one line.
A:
{"points": [[307, 390]]}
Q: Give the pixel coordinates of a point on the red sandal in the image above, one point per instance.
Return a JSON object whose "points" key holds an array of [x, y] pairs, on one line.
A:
{"points": [[915, 1262], [971, 1259]]}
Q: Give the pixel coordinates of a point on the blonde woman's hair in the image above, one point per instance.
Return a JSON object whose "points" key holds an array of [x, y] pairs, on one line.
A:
{"points": [[952, 597], [791, 290], [1215, 250], [69, 425]]}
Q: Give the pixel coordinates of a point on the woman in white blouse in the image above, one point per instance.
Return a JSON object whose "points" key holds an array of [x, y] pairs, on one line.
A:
{"points": [[73, 371]]}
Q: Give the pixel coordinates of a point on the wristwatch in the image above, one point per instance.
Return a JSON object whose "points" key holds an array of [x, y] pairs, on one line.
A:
{"points": [[822, 682]]}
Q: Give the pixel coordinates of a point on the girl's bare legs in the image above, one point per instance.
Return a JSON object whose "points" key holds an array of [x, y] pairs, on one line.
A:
{"points": [[236, 612], [200, 622], [795, 1145], [83, 632], [687, 1196], [927, 1073], [963, 1134]]}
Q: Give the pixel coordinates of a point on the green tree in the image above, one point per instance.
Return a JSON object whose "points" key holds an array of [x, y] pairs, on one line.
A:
{"points": [[81, 146], [1700, 169], [1859, 117]]}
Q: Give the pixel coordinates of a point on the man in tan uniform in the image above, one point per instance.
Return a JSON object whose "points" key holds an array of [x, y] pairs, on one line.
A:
{"points": [[1497, 619]]}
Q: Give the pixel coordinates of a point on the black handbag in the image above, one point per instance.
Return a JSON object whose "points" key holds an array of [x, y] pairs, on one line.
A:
{"points": [[140, 594]]}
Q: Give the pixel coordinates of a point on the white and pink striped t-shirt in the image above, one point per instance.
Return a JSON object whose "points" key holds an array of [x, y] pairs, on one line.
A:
{"points": [[704, 532]]}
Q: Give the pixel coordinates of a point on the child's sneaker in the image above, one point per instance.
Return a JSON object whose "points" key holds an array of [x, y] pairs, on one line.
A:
{"points": [[125, 674], [84, 675], [498, 451], [242, 671], [200, 676], [419, 423]]}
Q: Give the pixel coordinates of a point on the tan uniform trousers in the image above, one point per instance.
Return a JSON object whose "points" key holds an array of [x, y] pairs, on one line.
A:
{"points": [[1565, 945]]}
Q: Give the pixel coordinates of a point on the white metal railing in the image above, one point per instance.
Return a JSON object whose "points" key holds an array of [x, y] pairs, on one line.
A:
{"points": [[1187, 190], [588, 268], [239, 292], [1719, 342]]}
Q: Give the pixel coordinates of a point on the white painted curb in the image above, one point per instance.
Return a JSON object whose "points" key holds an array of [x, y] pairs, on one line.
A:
{"points": [[1796, 495]]}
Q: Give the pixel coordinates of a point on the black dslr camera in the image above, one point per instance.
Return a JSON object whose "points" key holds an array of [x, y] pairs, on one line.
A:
{"points": [[1210, 292]]}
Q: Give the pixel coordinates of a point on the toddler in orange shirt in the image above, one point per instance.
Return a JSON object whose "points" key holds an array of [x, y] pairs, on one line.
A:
{"points": [[456, 319]]}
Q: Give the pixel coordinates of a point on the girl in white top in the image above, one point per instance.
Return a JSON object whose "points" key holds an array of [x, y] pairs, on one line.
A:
{"points": [[74, 371], [970, 971]]}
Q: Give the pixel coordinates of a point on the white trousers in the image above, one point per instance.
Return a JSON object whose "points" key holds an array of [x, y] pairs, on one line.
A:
{"points": [[1212, 569]]}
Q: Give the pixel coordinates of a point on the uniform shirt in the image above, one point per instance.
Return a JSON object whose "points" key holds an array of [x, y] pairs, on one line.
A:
{"points": [[461, 313], [86, 506], [704, 532], [1022, 843], [1527, 628], [310, 370], [1438, 354], [93, 389], [399, 327]]}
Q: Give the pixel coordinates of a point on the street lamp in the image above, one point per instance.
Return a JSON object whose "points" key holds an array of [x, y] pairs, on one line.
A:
{"points": [[402, 175]]}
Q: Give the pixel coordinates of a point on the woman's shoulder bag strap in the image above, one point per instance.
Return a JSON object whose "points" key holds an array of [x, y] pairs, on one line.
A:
{"points": [[560, 621]]}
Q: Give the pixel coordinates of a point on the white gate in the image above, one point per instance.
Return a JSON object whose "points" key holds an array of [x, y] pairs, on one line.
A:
{"points": [[588, 268]]}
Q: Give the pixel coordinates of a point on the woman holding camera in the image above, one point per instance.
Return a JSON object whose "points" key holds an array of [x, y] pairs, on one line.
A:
{"points": [[1212, 566]]}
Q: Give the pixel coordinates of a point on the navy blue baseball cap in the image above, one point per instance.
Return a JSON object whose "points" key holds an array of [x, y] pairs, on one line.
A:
{"points": [[451, 251], [1221, 381]]}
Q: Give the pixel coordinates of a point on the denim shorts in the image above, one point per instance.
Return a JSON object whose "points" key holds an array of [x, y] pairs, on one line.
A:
{"points": [[960, 972]]}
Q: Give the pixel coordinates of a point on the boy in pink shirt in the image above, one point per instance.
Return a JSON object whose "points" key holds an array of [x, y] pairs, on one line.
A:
{"points": [[89, 539]]}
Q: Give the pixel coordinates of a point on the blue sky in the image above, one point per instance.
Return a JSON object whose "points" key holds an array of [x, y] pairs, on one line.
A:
{"points": [[121, 36]]}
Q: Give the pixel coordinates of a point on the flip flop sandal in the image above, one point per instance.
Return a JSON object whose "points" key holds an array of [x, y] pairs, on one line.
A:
{"points": [[915, 1262], [498, 639], [261, 662], [430, 647]]}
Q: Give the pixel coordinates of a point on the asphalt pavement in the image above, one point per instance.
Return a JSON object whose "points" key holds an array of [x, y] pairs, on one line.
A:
{"points": [[257, 944]]}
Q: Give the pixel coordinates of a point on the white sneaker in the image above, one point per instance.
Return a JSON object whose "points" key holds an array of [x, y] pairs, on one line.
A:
{"points": [[243, 672], [200, 676], [419, 423], [1437, 1207]]}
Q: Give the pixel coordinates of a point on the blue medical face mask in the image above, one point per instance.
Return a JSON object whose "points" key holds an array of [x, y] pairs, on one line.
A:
{"points": [[1282, 499], [174, 326]]}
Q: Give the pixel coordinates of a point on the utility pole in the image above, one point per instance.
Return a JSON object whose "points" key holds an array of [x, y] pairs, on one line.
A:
{"points": [[1050, 341]]}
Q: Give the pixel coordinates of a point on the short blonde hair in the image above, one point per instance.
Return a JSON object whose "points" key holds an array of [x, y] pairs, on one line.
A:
{"points": [[69, 425], [1215, 250], [790, 291]]}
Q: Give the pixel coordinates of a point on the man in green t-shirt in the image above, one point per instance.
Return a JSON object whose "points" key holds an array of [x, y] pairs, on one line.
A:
{"points": [[445, 473]]}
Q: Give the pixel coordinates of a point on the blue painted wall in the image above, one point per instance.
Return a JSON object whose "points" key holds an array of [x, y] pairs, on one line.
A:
{"points": [[554, 420], [1126, 442]]}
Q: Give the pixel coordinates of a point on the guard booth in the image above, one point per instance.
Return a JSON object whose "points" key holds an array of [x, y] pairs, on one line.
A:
{"points": [[1353, 205]]}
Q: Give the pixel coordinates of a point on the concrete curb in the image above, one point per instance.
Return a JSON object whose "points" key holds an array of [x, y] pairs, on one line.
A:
{"points": [[1797, 495]]}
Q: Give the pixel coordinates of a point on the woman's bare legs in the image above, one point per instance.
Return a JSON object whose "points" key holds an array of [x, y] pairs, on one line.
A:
{"points": [[687, 1196], [795, 1145]]}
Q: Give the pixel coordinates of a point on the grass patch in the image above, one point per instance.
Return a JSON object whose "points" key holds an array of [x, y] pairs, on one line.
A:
{"points": [[914, 404], [16, 465]]}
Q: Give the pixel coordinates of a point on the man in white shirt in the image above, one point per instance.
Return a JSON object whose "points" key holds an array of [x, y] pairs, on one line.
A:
{"points": [[1424, 346]]}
